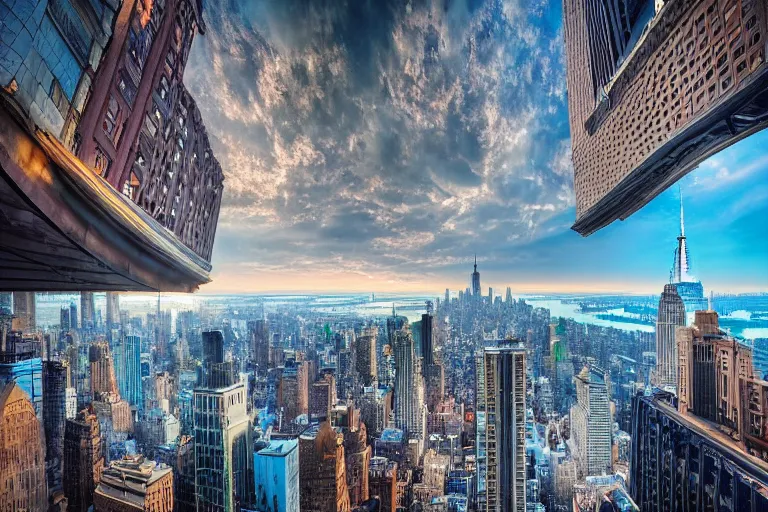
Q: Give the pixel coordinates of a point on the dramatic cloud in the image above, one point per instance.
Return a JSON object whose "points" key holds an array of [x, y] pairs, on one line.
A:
{"points": [[383, 138]]}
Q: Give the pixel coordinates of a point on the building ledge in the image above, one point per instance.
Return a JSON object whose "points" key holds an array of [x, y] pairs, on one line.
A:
{"points": [[64, 228]]}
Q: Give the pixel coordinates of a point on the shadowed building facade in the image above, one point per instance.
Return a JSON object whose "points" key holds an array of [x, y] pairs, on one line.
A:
{"points": [[22, 457], [83, 460], [322, 471], [654, 88], [671, 315]]}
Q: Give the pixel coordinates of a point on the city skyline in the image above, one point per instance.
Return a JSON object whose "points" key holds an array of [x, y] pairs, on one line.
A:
{"points": [[346, 188]]}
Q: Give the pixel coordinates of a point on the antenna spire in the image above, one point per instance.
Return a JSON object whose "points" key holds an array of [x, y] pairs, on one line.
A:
{"points": [[475, 262], [682, 218]]}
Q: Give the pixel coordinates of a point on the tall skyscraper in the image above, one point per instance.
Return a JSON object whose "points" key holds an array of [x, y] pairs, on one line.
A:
{"points": [[54, 419], [696, 386], [322, 471], [113, 311], [365, 357], [409, 387], [635, 129], [259, 338], [128, 365], [671, 315], [504, 387], [476, 290], [688, 287], [83, 460], [24, 311], [87, 310], [65, 323], [427, 349], [224, 460], [591, 422], [103, 380], [73, 323], [22, 457]]}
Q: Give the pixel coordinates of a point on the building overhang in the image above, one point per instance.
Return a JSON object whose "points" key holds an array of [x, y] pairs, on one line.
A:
{"points": [[64, 228], [733, 119]]}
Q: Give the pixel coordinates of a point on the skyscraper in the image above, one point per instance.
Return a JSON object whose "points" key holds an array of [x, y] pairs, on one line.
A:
{"points": [[87, 310], [103, 380], [365, 357], [73, 323], [427, 349], [322, 471], [223, 457], [476, 290], [671, 315], [688, 287], [504, 388], [113, 311], [22, 459], [128, 359], [65, 323], [409, 393], [24, 311], [54, 419], [591, 422], [83, 460], [259, 337]]}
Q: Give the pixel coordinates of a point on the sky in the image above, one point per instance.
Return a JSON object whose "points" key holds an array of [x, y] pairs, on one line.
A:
{"points": [[377, 146]]}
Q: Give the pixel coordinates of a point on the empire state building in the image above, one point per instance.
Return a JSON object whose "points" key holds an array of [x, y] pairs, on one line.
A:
{"points": [[476, 281], [688, 287]]}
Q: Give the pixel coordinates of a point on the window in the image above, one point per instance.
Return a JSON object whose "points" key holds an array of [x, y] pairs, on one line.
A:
{"points": [[101, 163], [163, 88], [170, 63], [111, 118], [131, 186]]}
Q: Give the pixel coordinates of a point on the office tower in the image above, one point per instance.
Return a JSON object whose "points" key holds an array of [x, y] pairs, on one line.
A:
{"points": [[134, 483], [295, 387], [54, 419], [375, 409], [113, 311], [83, 460], [504, 383], [476, 290], [382, 482], [22, 456], [6, 303], [276, 473], [128, 359], [481, 456], [409, 394], [322, 471], [637, 124], [87, 310], [434, 385], [24, 311], [223, 457], [103, 380], [696, 387], [591, 422], [671, 315], [259, 338], [322, 397], [64, 321], [357, 456], [180, 456], [681, 462], [713, 370], [427, 348], [73, 323], [688, 287], [365, 354]]}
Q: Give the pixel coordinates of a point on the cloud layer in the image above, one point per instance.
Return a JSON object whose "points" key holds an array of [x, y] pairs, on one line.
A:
{"points": [[383, 139]]}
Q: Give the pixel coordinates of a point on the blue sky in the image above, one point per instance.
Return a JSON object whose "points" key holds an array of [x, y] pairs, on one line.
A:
{"points": [[376, 146]]}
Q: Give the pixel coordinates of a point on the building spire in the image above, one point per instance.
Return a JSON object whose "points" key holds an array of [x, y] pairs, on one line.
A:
{"points": [[475, 262], [682, 219]]}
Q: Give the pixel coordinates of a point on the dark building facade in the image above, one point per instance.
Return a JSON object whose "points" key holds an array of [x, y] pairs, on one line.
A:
{"points": [[54, 420], [655, 89], [83, 460], [681, 463]]}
